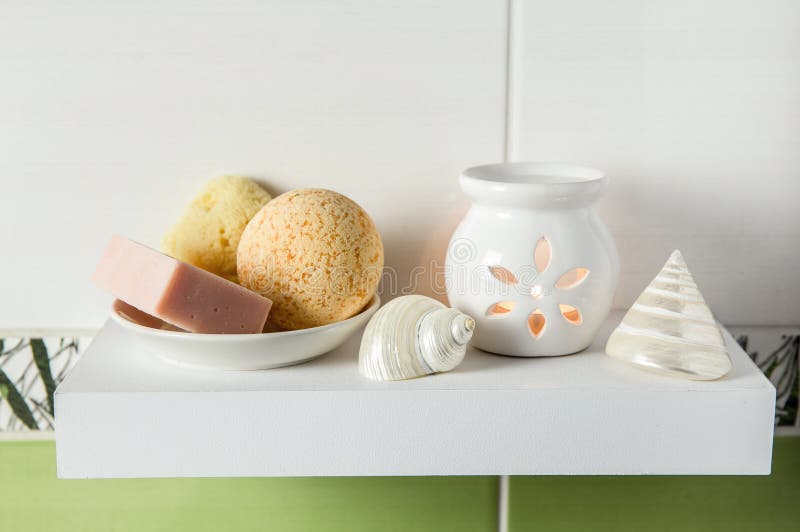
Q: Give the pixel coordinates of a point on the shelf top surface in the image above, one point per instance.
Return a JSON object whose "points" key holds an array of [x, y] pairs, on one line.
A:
{"points": [[113, 363]]}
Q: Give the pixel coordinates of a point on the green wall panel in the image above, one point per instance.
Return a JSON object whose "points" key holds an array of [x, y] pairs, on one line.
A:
{"points": [[599, 504], [32, 499]]}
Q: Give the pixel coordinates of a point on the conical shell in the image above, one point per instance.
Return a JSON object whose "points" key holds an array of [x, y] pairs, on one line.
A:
{"points": [[670, 329], [413, 336]]}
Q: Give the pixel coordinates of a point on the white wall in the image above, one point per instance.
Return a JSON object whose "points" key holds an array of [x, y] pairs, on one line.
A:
{"points": [[113, 114], [693, 108]]}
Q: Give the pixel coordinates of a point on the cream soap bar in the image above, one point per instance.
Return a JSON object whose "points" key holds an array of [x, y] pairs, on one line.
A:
{"points": [[178, 293]]}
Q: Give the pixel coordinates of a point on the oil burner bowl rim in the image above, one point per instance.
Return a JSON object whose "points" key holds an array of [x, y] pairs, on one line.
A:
{"points": [[533, 184]]}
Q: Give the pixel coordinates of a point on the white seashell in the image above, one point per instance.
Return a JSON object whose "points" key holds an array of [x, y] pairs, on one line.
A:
{"points": [[670, 329], [413, 336]]}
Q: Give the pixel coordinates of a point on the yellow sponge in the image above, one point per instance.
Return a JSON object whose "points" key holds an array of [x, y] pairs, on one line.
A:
{"points": [[208, 233]]}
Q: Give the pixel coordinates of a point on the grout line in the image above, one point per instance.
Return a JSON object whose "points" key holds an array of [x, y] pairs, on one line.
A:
{"points": [[47, 333], [32, 435], [502, 505], [508, 155], [512, 45], [787, 431]]}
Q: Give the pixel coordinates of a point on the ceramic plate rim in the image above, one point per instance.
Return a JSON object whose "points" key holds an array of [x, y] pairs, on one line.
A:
{"points": [[367, 311]]}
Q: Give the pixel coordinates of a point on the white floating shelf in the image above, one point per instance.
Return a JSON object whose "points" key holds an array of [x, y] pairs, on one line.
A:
{"points": [[124, 413]]}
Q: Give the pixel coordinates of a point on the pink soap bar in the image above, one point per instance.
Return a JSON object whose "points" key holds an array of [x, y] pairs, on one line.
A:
{"points": [[178, 293]]}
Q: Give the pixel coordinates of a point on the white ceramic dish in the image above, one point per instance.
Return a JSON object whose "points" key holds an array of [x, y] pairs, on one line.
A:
{"points": [[237, 351]]}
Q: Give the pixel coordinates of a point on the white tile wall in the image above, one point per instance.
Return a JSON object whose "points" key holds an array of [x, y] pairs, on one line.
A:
{"points": [[113, 114], [693, 108]]}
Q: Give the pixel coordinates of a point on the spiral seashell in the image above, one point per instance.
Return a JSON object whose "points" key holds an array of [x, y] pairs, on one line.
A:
{"points": [[670, 329], [413, 336]]}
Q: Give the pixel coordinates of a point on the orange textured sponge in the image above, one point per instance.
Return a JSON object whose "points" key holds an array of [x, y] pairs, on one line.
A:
{"points": [[315, 253]]}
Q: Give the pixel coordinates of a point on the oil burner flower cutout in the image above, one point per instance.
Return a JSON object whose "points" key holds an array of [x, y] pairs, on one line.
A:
{"points": [[537, 321]]}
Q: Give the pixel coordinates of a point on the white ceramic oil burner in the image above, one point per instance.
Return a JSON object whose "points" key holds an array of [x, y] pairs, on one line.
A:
{"points": [[531, 261]]}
